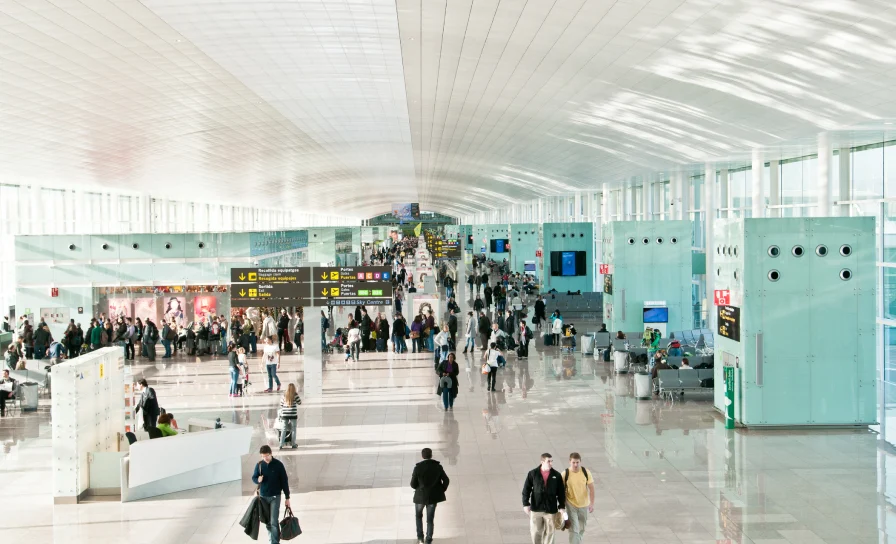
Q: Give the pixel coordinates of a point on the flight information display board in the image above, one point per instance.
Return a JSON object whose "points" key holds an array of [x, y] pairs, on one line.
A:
{"points": [[446, 249], [729, 322], [311, 286]]}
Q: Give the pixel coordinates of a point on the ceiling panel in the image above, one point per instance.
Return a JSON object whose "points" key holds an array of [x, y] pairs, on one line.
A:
{"points": [[462, 105]]}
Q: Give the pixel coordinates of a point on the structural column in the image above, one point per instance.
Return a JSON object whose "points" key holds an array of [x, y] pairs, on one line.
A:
{"points": [[313, 358], [684, 191], [709, 203], [756, 189], [774, 188], [843, 210], [605, 204], [825, 156], [724, 197]]}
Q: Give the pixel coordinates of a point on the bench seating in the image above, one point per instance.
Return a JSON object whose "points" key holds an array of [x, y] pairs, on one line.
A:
{"points": [[680, 381]]}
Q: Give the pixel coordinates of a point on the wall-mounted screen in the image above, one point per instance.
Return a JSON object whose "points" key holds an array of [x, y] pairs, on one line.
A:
{"points": [[500, 245], [568, 263], [608, 284], [729, 322], [529, 267], [656, 315], [406, 211]]}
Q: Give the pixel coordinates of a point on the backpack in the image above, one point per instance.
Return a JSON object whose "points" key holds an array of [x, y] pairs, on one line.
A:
{"points": [[216, 329], [155, 334], [566, 474], [326, 323]]}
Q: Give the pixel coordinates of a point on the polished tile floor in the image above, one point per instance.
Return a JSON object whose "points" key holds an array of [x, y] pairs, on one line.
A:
{"points": [[666, 473]]}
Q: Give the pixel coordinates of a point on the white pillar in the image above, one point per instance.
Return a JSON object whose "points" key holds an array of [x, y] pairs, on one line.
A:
{"points": [[626, 203], [843, 210], [605, 204], [756, 189], [34, 222], [685, 192], [645, 189], [774, 188], [724, 195], [610, 197], [649, 200], [313, 357], [709, 203], [825, 155]]}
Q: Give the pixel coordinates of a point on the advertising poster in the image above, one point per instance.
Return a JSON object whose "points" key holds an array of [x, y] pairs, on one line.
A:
{"points": [[174, 309], [406, 211], [55, 316], [204, 307], [119, 307], [145, 308]]}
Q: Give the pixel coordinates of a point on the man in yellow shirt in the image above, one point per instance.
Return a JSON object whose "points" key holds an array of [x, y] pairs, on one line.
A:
{"points": [[579, 497]]}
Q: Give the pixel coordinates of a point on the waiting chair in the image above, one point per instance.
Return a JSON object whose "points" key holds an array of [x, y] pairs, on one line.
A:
{"points": [[154, 432], [131, 437]]}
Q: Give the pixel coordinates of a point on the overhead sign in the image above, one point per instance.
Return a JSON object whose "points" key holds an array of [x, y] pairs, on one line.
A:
{"points": [[311, 286], [721, 297], [729, 322], [539, 253], [446, 249]]}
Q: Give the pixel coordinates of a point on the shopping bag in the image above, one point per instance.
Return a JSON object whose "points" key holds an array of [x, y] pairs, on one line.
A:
{"points": [[289, 526], [485, 368]]}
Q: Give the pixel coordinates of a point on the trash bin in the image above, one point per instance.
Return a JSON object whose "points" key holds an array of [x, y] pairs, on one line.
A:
{"points": [[643, 386], [588, 343], [28, 395], [620, 360]]}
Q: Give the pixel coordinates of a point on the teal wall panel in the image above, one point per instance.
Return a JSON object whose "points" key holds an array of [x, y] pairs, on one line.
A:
{"points": [[648, 261], [817, 330], [568, 237], [524, 243]]}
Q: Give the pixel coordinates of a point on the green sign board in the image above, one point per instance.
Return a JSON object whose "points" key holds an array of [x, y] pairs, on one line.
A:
{"points": [[729, 397]]}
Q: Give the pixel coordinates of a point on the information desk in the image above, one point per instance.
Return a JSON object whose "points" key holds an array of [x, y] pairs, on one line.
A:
{"points": [[200, 457]]}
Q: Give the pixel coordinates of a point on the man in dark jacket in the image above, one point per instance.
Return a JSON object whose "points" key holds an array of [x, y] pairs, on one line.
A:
{"points": [[366, 325], [543, 495], [485, 329], [282, 329], [270, 476], [452, 328], [539, 310], [149, 403], [430, 483], [42, 339]]}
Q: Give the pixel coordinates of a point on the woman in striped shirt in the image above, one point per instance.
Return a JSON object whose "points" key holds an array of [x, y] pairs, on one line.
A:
{"points": [[289, 412]]}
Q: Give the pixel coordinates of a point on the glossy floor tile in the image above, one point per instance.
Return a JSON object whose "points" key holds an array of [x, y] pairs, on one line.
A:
{"points": [[666, 472]]}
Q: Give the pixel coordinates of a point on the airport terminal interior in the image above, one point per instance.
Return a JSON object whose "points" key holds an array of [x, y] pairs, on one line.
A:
{"points": [[404, 254]]}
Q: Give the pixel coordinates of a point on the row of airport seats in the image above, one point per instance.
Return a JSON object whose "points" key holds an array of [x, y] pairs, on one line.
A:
{"points": [[691, 337], [671, 382], [586, 305]]}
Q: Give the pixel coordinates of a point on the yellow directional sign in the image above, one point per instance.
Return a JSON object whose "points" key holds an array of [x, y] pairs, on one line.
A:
{"points": [[334, 292], [334, 275], [324, 291], [242, 292], [253, 276], [242, 277], [253, 292], [323, 275]]}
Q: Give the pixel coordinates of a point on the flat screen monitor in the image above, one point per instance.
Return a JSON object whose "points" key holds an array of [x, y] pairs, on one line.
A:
{"points": [[608, 284], [568, 263], [500, 245], [529, 267], [729, 322], [656, 315]]}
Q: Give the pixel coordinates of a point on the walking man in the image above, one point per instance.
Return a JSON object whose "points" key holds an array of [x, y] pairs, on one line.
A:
{"points": [[579, 497], [270, 475], [430, 483], [543, 495]]}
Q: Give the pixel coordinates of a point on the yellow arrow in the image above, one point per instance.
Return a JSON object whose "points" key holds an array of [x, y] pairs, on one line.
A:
{"points": [[242, 277], [324, 291], [323, 276], [242, 293]]}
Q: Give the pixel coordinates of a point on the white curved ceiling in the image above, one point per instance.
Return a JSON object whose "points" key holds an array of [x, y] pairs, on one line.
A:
{"points": [[346, 106]]}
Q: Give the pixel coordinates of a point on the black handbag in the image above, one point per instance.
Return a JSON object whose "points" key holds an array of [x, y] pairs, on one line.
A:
{"points": [[289, 526]]}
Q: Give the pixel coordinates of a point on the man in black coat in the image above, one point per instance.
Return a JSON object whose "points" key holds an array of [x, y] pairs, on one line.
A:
{"points": [[149, 403], [430, 483], [543, 495], [283, 329], [485, 329], [452, 328], [366, 325], [539, 311]]}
